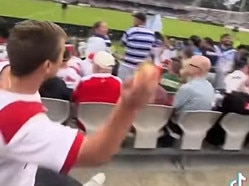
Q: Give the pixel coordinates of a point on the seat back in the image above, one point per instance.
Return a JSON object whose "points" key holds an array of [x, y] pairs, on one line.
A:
{"points": [[57, 110], [235, 123], [195, 125], [198, 121], [92, 115], [148, 123], [236, 127]]}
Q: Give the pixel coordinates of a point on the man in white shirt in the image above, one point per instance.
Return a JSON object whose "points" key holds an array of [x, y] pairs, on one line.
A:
{"points": [[237, 80], [68, 73], [28, 138], [99, 41]]}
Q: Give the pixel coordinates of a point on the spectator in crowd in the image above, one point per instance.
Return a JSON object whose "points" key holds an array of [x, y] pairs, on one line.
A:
{"points": [[197, 94], [68, 74], [138, 42], [4, 34], [209, 50], [4, 74], [170, 80], [39, 142], [225, 62], [99, 41], [170, 50], [238, 79], [185, 56], [101, 86], [56, 88], [194, 43], [157, 48]]}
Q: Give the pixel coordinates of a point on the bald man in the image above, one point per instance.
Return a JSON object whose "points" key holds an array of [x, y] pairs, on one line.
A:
{"points": [[197, 94]]}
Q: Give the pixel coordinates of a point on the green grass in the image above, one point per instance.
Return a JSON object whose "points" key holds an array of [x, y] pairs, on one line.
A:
{"points": [[41, 10]]}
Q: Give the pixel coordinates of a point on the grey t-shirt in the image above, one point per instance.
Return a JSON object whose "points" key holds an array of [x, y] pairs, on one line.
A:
{"points": [[197, 94]]}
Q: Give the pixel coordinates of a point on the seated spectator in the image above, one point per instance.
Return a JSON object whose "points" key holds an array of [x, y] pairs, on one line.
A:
{"points": [[56, 88], [4, 34], [170, 80], [4, 74], [67, 73], [238, 80], [101, 86], [197, 94]]}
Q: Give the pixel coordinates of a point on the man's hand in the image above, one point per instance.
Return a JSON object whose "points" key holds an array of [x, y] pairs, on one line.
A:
{"points": [[138, 91]]}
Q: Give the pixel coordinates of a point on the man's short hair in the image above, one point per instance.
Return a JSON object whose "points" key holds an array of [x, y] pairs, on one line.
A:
{"points": [[31, 43], [225, 35], [176, 65]]}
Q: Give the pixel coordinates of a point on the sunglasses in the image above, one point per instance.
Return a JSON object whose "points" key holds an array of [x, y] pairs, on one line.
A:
{"points": [[195, 66]]}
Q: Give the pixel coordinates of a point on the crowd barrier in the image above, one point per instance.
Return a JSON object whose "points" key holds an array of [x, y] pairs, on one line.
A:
{"points": [[150, 120]]}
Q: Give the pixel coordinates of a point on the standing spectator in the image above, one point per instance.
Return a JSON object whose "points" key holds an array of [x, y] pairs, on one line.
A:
{"points": [[209, 50], [170, 80], [99, 41], [67, 73], [157, 49], [194, 43], [101, 86], [197, 94], [225, 62], [138, 42]]}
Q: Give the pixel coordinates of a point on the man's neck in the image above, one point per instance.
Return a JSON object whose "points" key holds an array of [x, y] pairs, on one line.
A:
{"points": [[24, 85]]}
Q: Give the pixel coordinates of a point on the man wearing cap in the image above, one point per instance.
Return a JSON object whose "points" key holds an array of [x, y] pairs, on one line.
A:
{"points": [[138, 42], [101, 86], [197, 94]]}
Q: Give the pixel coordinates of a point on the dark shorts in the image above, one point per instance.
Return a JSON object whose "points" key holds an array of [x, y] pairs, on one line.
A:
{"points": [[46, 177]]}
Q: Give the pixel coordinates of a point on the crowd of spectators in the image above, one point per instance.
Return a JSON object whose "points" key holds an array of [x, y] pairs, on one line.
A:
{"points": [[197, 72], [177, 9]]}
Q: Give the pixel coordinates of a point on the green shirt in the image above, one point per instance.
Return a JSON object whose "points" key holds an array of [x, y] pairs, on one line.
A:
{"points": [[170, 82]]}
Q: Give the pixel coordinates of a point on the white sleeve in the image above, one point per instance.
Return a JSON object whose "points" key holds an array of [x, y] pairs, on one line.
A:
{"points": [[45, 143]]}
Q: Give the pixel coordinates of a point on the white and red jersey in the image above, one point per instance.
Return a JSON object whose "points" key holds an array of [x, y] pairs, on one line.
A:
{"points": [[3, 64], [28, 139], [75, 63], [100, 87], [69, 76]]}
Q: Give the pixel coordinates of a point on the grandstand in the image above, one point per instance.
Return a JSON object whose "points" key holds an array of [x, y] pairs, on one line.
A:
{"points": [[186, 11]]}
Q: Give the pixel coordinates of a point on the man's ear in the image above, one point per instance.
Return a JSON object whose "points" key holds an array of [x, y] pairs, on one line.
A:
{"points": [[46, 67]]}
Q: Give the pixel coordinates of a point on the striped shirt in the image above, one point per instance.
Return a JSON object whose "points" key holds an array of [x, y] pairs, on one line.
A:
{"points": [[139, 42]]}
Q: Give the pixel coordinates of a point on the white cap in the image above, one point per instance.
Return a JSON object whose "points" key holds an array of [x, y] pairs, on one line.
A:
{"points": [[104, 60]]}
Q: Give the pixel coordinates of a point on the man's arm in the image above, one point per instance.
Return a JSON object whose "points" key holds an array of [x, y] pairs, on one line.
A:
{"points": [[182, 97], [100, 147]]}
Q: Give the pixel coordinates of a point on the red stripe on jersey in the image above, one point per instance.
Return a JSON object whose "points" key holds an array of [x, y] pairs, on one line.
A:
{"points": [[15, 115], [72, 154]]}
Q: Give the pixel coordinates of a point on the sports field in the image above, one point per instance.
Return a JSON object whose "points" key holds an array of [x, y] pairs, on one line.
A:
{"points": [[41, 10]]}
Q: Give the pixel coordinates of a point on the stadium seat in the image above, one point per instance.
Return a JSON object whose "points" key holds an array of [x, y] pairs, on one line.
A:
{"points": [[57, 110], [148, 124], [92, 115], [195, 125], [236, 127]]}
